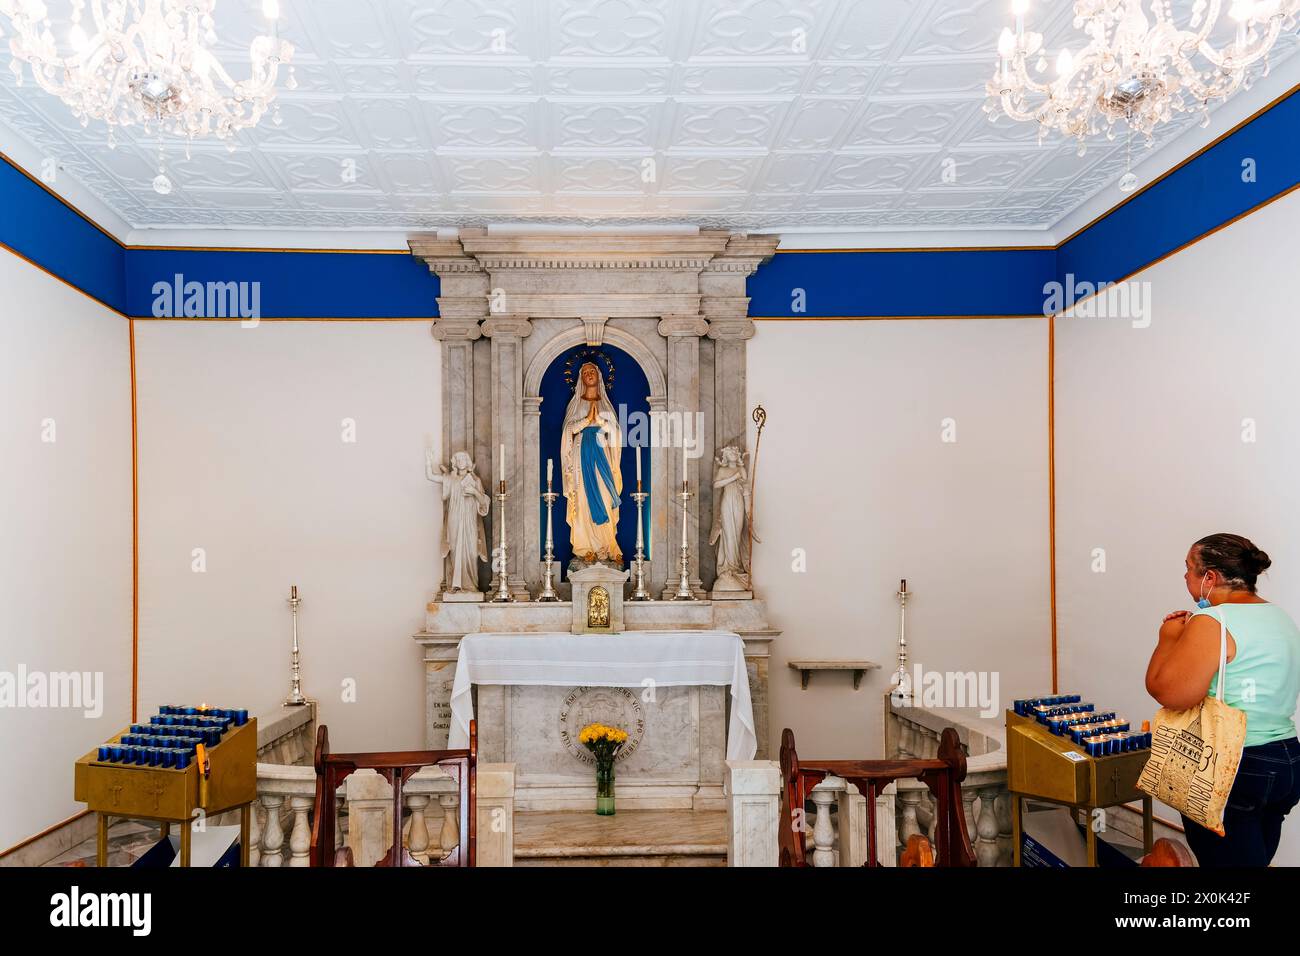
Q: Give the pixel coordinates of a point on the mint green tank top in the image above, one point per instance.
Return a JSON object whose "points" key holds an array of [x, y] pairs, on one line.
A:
{"points": [[1264, 678]]}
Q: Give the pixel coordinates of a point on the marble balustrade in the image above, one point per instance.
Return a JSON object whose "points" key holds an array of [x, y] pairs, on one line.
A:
{"points": [[837, 824], [914, 732], [281, 831]]}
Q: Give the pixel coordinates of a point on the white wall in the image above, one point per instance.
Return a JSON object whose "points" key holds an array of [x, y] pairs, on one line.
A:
{"points": [[1150, 456], [65, 531], [242, 454], [853, 470]]}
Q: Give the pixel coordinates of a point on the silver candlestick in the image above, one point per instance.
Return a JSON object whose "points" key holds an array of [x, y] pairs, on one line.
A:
{"points": [[902, 681], [684, 592], [295, 697], [640, 594], [503, 594], [548, 589]]}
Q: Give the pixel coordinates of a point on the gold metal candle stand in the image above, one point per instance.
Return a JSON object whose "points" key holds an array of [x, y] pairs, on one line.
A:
{"points": [[169, 795], [1052, 769]]}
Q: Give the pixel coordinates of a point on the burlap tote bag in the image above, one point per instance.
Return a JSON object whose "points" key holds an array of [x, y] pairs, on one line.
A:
{"points": [[1195, 752]]}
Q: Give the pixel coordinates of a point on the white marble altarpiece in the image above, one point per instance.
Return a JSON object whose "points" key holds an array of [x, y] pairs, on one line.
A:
{"points": [[510, 307]]}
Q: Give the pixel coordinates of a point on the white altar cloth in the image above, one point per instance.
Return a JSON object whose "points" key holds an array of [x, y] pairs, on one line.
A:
{"points": [[629, 659]]}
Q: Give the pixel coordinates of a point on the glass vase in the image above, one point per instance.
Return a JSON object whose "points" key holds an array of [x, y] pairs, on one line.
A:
{"points": [[605, 787]]}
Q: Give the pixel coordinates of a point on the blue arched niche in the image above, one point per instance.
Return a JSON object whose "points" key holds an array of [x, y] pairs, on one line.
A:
{"points": [[629, 390]]}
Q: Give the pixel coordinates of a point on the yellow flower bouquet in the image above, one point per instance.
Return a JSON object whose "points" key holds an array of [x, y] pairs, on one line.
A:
{"points": [[604, 743]]}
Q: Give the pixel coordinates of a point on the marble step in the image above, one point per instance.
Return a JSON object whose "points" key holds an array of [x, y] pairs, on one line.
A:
{"points": [[629, 838], [720, 860]]}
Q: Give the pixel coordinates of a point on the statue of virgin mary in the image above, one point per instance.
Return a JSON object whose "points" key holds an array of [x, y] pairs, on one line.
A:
{"points": [[590, 453]]}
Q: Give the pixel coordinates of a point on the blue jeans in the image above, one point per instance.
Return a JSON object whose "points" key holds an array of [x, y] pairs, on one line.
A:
{"points": [[1266, 788]]}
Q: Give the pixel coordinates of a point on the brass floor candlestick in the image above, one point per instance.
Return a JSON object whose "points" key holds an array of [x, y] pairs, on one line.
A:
{"points": [[548, 588], [640, 594], [684, 592], [503, 595], [295, 698]]}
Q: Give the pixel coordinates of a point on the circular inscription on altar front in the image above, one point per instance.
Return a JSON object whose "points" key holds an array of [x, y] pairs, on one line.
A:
{"points": [[611, 706]]}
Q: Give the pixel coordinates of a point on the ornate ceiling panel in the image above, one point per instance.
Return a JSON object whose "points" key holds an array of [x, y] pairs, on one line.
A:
{"points": [[413, 114]]}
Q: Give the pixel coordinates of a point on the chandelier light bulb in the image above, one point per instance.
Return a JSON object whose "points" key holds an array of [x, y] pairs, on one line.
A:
{"points": [[1064, 64], [271, 9], [1006, 43], [1242, 10], [1020, 7]]}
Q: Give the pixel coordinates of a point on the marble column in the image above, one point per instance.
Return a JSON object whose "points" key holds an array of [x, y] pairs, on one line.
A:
{"points": [[730, 409], [462, 305], [683, 333], [457, 337], [663, 546], [507, 334], [532, 482]]}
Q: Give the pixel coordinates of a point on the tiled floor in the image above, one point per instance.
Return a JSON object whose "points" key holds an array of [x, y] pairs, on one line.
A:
{"points": [[128, 840]]}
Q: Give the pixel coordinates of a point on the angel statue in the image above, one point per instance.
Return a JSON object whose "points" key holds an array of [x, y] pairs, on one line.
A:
{"points": [[731, 509], [464, 542]]}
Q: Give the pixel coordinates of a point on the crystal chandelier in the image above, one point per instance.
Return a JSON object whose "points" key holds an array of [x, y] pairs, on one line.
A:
{"points": [[147, 63], [1136, 67]]}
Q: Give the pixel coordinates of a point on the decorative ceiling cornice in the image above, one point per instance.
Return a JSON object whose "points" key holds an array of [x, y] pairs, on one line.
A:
{"points": [[408, 118]]}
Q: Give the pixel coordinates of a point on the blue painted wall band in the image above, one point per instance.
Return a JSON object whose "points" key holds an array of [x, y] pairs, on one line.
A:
{"points": [[289, 284], [1244, 170], [1257, 163], [58, 239]]}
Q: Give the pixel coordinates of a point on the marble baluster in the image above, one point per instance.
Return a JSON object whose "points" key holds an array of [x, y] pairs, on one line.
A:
{"points": [[986, 832], [300, 835], [823, 796], [908, 800], [255, 833], [273, 833], [1002, 813], [449, 838], [968, 796], [417, 836]]}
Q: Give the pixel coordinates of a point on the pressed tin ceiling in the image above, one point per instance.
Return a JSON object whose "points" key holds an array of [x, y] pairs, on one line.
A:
{"points": [[742, 114]]}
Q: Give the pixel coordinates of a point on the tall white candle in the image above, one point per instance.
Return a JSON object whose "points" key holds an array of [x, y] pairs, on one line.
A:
{"points": [[550, 468], [501, 475], [638, 467], [685, 515], [684, 460]]}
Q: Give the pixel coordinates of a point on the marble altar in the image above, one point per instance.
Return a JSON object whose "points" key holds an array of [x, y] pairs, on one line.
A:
{"points": [[513, 304]]}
